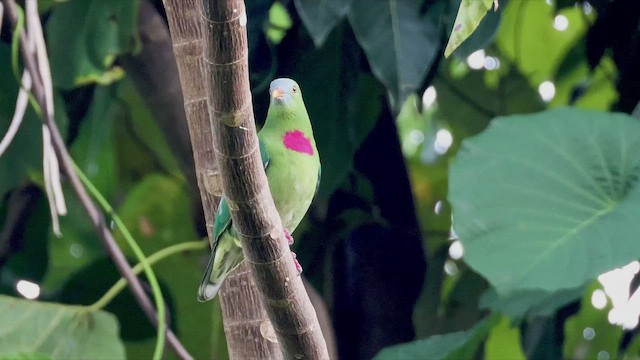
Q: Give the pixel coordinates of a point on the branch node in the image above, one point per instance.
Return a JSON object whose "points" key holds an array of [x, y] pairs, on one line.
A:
{"points": [[271, 234], [233, 119], [275, 233], [232, 205], [267, 332], [239, 17], [213, 182], [242, 156]]}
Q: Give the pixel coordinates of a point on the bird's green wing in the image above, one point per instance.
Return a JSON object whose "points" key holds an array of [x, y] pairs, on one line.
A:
{"points": [[222, 221], [264, 155], [230, 254], [223, 216]]}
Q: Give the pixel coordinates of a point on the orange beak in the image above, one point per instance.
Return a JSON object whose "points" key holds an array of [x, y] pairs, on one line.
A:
{"points": [[277, 94]]}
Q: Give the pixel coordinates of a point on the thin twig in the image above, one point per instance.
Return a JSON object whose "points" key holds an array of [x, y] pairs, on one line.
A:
{"points": [[151, 277], [18, 115], [152, 259], [92, 210]]}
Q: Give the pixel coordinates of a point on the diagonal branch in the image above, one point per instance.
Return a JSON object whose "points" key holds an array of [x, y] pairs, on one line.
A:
{"points": [[245, 183], [96, 217]]}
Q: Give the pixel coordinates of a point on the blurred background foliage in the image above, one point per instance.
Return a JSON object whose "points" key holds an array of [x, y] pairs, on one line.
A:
{"points": [[389, 114]]}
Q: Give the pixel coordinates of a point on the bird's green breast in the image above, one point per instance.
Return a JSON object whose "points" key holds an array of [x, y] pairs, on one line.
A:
{"points": [[292, 172]]}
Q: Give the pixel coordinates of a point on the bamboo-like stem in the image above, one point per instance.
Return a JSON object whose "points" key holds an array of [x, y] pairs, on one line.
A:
{"points": [[245, 183], [247, 328], [186, 37]]}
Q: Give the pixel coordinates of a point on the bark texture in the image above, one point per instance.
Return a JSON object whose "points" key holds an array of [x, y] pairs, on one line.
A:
{"points": [[248, 331], [245, 184], [183, 17]]}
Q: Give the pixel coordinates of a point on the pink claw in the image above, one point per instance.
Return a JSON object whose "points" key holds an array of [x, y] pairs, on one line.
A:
{"points": [[296, 263], [288, 236]]}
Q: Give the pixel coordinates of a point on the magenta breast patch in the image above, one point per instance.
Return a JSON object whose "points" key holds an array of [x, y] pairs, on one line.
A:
{"points": [[296, 141]]}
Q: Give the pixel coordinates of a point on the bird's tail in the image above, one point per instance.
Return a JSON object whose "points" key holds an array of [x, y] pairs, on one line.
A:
{"points": [[226, 255]]}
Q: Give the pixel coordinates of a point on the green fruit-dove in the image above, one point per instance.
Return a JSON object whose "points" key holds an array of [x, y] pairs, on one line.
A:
{"points": [[291, 162]]}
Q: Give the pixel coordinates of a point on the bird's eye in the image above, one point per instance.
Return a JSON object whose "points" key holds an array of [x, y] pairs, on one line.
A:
{"points": [[295, 89]]}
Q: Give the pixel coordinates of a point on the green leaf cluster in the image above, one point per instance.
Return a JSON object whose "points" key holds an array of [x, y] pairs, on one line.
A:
{"points": [[542, 202], [34, 330], [399, 41], [542, 196]]}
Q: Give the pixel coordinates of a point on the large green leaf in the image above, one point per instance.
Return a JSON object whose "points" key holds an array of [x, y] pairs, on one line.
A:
{"points": [[84, 38], [470, 13], [320, 17], [458, 345], [528, 304], [59, 331], [399, 42], [548, 201]]}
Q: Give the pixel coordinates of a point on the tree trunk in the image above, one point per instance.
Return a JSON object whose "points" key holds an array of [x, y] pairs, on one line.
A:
{"points": [[245, 184], [249, 332], [244, 315]]}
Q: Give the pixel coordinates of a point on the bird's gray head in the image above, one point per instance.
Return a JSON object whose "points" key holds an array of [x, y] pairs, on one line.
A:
{"points": [[283, 91]]}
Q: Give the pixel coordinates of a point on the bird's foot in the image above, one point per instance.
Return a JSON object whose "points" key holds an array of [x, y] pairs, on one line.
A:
{"points": [[288, 236], [296, 263]]}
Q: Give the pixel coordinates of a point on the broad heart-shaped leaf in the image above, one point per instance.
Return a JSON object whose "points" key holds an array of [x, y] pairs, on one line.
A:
{"points": [[399, 42], [469, 16], [548, 201], [321, 16], [528, 304], [58, 331], [85, 37], [457, 345]]}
